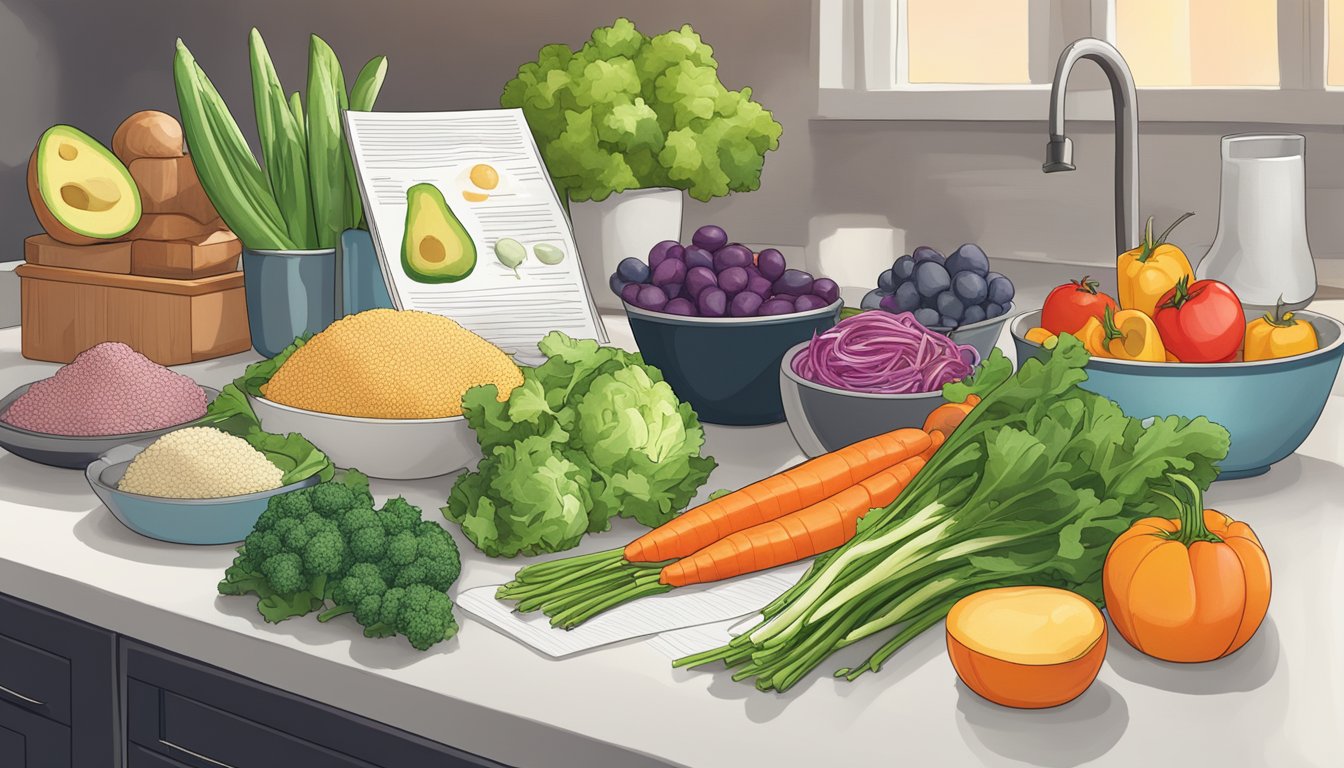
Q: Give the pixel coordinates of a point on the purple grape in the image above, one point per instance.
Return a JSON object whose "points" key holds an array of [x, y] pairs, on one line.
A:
{"points": [[903, 268], [826, 289], [616, 283], [968, 258], [659, 252], [745, 304], [753, 270], [710, 237], [630, 293], [670, 271], [808, 302], [886, 281], [873, 300], [927, 317], [680, 307], [948, 305], [713, 302], [733, 280], [698, 257], [993, 310], [931, 278], [794, 282], [947, 322], [700, 278], [892, 304], [771, 263], [1001, 291], [734, 255], [775, 307], [651, 297], [924, 253], [759, 285], [673, 290], [632, 270], [973, 314]]}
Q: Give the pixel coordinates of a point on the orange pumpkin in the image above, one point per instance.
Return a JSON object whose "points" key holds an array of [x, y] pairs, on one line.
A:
{"points": [[1194, 588]]}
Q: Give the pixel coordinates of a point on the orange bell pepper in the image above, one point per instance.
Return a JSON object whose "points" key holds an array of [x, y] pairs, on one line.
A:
{"points": [[1125, 335], [1279, 335], [1147, 272]]}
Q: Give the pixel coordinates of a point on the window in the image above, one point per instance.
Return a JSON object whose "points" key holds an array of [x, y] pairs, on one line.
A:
{"points": [[1206, 60]]}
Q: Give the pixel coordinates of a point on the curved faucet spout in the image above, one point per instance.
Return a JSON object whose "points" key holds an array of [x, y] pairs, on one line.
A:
{"points": [[1059, 152]]}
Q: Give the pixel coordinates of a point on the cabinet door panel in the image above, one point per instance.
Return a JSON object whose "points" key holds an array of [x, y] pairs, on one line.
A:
{"points": [[29, 741], [34, 679]]}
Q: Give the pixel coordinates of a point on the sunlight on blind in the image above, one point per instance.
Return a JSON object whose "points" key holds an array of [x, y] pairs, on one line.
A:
{"points": [[1200, 42], [967, 41], [1334, 42]]}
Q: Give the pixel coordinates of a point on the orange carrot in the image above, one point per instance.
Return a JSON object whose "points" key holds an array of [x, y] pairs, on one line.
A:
{"points": [[777, 495], [949, 416], [812, 530]]}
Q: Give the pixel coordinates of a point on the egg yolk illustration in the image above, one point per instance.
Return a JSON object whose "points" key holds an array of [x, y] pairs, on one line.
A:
{"points": [[485, 176], [475, 197]]}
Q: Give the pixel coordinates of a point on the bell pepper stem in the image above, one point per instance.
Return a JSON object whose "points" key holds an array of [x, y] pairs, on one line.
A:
{"points": [[1280, 319], [1190, 513], [1108, 326], [1149, 244]]}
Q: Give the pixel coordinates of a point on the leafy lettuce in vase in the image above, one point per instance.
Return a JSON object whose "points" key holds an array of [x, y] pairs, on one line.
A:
{"points": [[593, 433]]}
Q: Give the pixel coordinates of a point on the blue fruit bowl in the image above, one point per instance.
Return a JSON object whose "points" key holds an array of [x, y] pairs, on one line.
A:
{"points": [[226, 520], [727, 368], [1268, 406]]}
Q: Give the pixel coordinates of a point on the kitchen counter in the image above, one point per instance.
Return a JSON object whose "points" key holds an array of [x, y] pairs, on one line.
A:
{"points": [[1277, 701]]}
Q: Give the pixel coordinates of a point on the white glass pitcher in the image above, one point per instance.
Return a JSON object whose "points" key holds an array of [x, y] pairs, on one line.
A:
{"points": [[1261, 248]]}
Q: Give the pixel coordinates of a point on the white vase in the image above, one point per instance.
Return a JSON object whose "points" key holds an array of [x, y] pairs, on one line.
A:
{"points": [[627, 223]]}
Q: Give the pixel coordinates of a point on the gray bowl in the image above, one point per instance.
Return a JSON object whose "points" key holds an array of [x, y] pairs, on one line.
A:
{"points": [[1268, 406], [984, 335], [65, 451], [226, 520], [823, 419]]}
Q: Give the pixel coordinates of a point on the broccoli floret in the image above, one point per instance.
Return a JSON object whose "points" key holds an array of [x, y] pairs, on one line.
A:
{"points": [[323, 554], [401, 548], [398, 516], [425, 617], [285, 572], [293, 505], [368, 545], [358, 518], [332, 499]]}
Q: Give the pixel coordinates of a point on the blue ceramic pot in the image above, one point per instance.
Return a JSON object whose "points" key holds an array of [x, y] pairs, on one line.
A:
{"points": [[289, 294]]}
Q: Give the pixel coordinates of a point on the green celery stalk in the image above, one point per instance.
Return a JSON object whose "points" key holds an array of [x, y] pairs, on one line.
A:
{"points": [[363, 94], [282, 146], [227, 169], [296, 109], [326, 145]]}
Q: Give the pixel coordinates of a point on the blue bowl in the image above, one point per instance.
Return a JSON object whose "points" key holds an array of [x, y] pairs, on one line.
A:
{"points": [[225, 520], [727, 368], [1268, 406]]}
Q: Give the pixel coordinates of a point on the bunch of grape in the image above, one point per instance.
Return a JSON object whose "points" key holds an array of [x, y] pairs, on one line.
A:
{"points": [[712, 277], [942, 293]]}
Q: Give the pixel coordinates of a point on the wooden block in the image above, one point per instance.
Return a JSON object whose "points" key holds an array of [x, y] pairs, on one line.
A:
{"points": [[66, 311], [172, 226], [112, 257], [214, 254], [170, 185]]}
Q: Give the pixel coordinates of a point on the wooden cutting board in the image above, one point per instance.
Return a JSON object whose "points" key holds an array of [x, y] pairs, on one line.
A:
{"points": [[66, 311], [206, 256]]}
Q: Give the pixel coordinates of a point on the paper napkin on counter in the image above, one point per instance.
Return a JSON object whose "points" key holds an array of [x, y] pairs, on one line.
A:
{"points": [[682, 607]]}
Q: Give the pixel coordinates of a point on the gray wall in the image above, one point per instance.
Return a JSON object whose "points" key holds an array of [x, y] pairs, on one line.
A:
{"points": [[92, 62]]}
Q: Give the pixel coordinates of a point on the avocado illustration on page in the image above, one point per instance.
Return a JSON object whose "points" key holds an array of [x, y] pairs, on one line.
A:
{"points": [[436, 247]]}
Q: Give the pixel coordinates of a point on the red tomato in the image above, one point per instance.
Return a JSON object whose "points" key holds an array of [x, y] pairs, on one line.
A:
{"points": [[1068, 307], [1201, 322]]}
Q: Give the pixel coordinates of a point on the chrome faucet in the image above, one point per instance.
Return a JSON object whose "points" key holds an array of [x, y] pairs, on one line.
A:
{"points": [[1059, 152]]}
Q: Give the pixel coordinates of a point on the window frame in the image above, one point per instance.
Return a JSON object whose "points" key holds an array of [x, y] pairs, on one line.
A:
{"points": [[861, 72]]}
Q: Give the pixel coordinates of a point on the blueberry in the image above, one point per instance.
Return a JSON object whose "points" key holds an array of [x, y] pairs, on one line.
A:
{"points": [[970, 287], [924, 253], [973, 314], [968, 258], [947, 322], [931, 278], [633, 270], [993, 310], [617, 284], [1001, 291], [949, 305], [871, 299], [903, 268], [906, 297], [886, 282], [927, 317]]}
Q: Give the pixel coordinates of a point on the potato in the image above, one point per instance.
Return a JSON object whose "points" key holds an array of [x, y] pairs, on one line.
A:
{"points": [[1026, 647], [147, 134]]}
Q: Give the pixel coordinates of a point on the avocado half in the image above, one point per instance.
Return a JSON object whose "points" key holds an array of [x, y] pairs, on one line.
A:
{"points": [[80, 191], [435, 247]]}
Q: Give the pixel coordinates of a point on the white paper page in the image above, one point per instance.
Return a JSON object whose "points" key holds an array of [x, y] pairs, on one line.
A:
{"points": [[680, 608], [394, 151]]}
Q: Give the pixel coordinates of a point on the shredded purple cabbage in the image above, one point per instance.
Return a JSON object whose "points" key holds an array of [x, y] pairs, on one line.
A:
{"points": [[884, 353]]}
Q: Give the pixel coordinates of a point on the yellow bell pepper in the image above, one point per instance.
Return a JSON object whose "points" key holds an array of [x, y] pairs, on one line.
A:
{"points": [[1147, 272], [1125, 335], [1279, 335]]}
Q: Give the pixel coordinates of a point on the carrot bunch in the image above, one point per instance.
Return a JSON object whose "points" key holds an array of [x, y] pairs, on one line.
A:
{"points": [[803, 511]]}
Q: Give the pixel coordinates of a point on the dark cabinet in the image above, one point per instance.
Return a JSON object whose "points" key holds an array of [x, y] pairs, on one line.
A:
{"points": [[58, 690], [198, 716]]}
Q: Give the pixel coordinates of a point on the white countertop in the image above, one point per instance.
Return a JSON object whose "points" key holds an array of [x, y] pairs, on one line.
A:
{"points": [[1278, 701]]}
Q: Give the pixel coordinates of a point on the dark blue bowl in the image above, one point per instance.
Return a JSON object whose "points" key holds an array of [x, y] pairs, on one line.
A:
{"points": [[727, 368]]}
